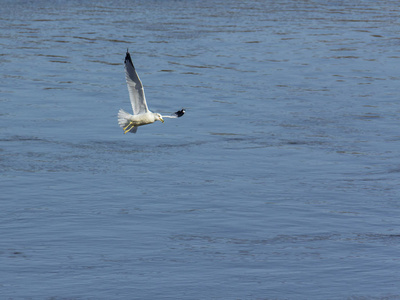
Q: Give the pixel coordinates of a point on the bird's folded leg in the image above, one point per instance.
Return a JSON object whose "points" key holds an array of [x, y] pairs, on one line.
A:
{"points": [[128, 127]]}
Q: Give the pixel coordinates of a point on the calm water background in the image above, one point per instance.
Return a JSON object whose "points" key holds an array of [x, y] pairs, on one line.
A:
{"points": [[280, 182]]}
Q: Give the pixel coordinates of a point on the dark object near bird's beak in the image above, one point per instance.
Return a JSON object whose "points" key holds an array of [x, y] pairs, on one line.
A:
{"points": [[180, 113]]}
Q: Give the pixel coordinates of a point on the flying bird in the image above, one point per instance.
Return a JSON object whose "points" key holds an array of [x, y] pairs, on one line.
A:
{"points": [[141, 113]]}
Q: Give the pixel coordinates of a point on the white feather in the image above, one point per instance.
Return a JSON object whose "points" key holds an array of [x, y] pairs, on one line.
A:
{"points": [[123, 118]]}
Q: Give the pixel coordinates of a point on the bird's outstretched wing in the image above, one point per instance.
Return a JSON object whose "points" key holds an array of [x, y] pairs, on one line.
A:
{"points": [[135, 87], [177, 114]]}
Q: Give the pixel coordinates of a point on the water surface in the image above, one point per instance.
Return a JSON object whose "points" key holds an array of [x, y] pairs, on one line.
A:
{"points": [[280, 182]]}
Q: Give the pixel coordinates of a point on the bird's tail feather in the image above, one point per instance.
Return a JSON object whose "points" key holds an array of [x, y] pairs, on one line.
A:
{"points": [[123, 118], [123, 121]]}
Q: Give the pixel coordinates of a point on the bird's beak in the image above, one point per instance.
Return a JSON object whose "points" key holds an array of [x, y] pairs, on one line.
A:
{"points": [[162, 120]]}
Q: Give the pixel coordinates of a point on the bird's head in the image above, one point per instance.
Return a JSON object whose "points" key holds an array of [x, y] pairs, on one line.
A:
{"points": [[159, 118]]}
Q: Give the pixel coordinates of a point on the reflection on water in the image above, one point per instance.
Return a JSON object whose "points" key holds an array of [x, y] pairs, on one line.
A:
{"points": [[280, 178]]}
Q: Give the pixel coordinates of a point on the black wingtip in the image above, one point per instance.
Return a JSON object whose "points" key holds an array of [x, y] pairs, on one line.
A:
{"points": [[180, 113], [128, 57]]}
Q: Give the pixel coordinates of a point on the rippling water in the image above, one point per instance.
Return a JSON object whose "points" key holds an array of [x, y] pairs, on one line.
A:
{"points": [[280, 182]]}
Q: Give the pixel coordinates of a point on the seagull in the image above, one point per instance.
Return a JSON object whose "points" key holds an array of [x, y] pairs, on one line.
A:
{"points": [[141, 113]]}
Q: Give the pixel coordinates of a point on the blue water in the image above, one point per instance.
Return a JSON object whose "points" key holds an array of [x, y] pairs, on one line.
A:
{"points": [[280, 182]]}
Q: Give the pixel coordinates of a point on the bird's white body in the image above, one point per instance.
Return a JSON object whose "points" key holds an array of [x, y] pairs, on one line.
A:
{"points": [[137, 120]]}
